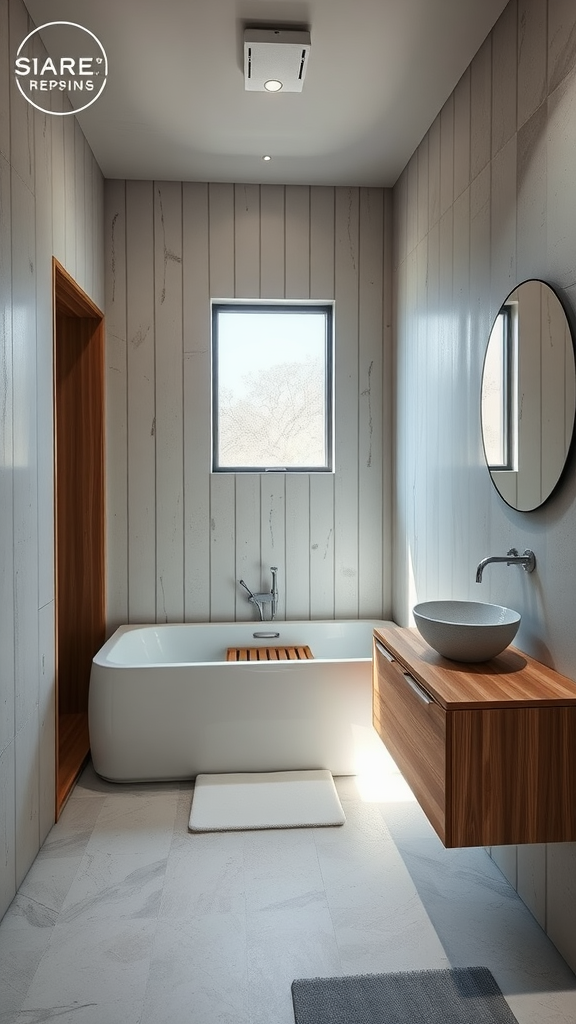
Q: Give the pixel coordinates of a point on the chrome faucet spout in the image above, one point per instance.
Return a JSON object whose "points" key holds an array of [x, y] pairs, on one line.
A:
{"points": [[527, 561], [255, 599], [274, 591]]}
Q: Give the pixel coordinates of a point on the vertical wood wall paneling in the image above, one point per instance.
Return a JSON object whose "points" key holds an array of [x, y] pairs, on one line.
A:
{"points": [[322, 547], [141, 402], [22, 113], [223, 263], [44, 403], [249, 241], [427, 509], [88, 219], [5, 82], [248, 543], [25, 450], [197, 402], [272, 242], [246, 242], [169, 402], [447, 428], [116, 406], [294, 582], [96, 239], [25, 495], [481, 104], [481, 324], [416, 275], [35, 206], [297, 241], [44, 359], [71, 186], [515, 158], [388, 410], [346, 265], [322, 255], [464, 370], [79, 218], [370, 441], [58, 191], [322, 246], [273, 532], [273, 486], [7, 695]]}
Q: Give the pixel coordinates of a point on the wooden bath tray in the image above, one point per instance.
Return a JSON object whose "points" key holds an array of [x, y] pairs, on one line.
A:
{"points": [[268, 653]]}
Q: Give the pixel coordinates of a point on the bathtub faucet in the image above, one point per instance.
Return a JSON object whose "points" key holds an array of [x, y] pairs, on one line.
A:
{"points": [[260, 600], [274, 591], [527, 561]]}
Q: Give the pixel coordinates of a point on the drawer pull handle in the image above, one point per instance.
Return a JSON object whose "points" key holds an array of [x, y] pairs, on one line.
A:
{"points": [[418, 690], [383, 651]]}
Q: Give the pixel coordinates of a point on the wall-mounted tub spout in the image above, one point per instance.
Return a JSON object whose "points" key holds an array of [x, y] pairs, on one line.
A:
{"points": [[274, 591], [260, 600], [527, 561]]}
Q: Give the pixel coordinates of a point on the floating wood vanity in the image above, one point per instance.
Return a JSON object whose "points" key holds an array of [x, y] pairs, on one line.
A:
{"points": [[489, 749]]}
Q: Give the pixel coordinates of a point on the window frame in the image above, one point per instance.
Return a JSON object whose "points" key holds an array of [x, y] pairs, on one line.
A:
{"points": [[293, 308]]}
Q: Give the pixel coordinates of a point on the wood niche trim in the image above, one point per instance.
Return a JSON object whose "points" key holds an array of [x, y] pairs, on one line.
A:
{"points": [[79, 517]]}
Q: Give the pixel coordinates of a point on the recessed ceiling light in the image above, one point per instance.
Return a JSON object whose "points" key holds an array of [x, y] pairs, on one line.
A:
{"points": [[266, 158], [272, 85]]}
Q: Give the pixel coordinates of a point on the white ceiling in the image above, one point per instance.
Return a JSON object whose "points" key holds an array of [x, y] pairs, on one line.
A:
{"points": [[175, 107]]}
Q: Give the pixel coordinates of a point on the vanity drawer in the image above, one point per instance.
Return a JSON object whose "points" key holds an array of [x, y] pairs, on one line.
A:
{"points": [[412, 725], [488, 750]]}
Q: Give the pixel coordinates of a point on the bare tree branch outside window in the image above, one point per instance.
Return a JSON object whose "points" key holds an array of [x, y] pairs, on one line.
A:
{"points": [[272, 398]]}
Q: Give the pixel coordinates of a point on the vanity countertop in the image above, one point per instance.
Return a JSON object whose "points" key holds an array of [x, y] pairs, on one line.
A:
{"points": [[512, 679]]}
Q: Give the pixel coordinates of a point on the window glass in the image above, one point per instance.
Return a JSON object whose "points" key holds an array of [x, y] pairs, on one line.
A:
{"points": [[272, 388]]}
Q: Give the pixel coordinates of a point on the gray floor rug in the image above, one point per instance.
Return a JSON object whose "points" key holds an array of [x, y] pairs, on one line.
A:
{"points": [[465, 995]]}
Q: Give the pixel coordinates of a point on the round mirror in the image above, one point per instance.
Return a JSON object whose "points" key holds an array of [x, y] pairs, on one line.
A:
{"points": [[528, 395]]}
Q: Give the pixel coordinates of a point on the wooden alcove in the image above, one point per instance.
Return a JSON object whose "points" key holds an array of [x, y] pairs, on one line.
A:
{"points": [[79, 517]]}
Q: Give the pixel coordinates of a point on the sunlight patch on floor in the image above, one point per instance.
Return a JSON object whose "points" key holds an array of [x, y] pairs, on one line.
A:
{"points": [[378, 779]]}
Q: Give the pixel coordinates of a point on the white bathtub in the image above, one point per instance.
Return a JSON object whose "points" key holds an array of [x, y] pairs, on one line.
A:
{"points": [[164, 704]]}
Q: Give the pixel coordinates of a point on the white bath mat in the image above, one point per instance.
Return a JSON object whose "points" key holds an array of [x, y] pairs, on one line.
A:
{"points": [[248, 800]]}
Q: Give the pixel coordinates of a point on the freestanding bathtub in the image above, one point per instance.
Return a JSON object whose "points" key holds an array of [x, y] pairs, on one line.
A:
{"points": [[164, 704]]}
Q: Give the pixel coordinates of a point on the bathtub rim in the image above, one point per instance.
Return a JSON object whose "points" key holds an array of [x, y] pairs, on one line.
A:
{"points": [[103, 660]]}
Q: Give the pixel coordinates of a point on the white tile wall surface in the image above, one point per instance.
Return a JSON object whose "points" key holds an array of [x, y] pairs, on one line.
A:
{"points": [[179, 537], [51, 203], [485, 202]]}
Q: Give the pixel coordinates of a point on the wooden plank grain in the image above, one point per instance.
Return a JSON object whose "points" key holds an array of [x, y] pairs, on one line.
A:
{"points": [[414, 733], [513, 678], [514, 776]]}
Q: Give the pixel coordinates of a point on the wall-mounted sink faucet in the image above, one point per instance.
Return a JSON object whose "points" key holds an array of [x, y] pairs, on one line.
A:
{"points": [[527, 561], [271, 597]]}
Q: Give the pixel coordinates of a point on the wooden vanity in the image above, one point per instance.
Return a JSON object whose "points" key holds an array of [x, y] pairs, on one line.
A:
{"points": [[488, 749]]}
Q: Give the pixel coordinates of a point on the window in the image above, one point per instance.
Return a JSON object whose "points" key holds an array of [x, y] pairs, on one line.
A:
{"points": [[498, 394], [272, 387]]}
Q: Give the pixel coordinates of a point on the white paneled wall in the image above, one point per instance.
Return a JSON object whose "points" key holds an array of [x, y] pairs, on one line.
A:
{"points": [[180, 538], [51, 203], [487, 201]]}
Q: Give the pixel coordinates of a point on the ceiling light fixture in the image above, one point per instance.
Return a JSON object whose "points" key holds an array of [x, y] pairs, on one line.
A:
{"points": [[275, 59], [266, 158]]}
